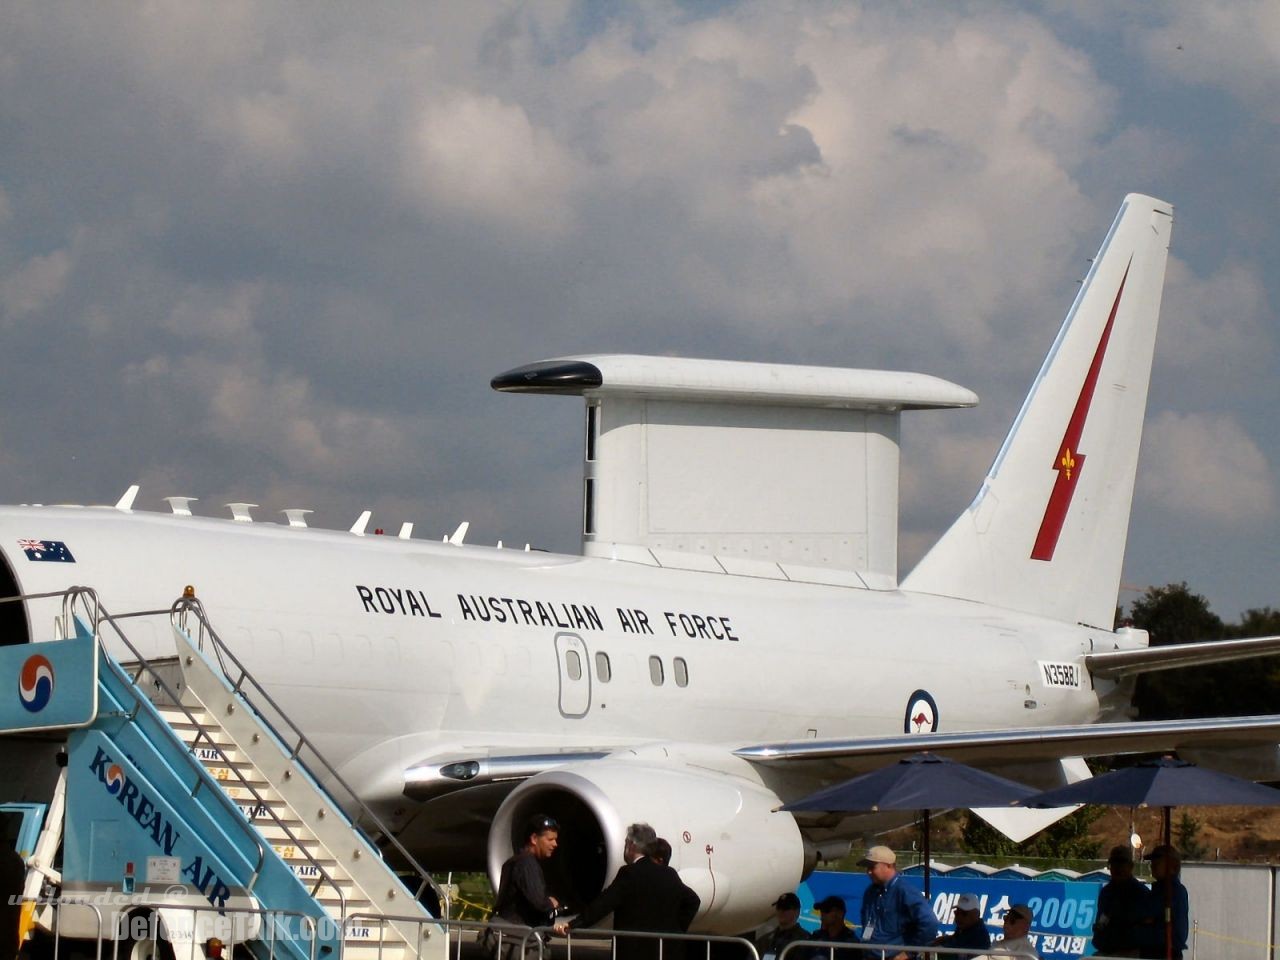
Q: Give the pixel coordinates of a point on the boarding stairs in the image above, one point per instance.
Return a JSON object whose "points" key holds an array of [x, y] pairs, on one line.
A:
{"points": [[222, 716], [190, 753]]}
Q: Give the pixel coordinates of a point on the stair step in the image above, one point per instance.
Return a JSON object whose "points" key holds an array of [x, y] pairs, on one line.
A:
{"points": [[303, 849], [254, 792], [223, 754], [198, 718], [275, 833], [310, 873], [358, 950], [325, 874]]}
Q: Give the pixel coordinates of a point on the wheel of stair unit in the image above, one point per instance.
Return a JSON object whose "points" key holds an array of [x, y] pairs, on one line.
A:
{"points": [[40, 947], [152, 946]]}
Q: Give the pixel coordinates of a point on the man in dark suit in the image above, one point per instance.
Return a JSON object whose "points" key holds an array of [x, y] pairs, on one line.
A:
{"points": [[646, 896], [13, 875]]}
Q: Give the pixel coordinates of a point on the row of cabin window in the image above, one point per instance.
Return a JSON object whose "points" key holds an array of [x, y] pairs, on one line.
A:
{"points": [[604, 669]]}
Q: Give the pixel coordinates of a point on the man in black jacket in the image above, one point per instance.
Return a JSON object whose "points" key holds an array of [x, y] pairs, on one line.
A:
{"points": [[1119, 907], [645, 896], [522, 890], [788, 929]]}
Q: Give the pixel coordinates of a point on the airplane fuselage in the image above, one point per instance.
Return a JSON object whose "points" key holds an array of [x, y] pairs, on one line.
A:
{"points": [[390, 652]]}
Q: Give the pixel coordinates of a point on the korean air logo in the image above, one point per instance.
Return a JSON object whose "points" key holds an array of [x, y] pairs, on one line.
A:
{"points": [[114, 779], [35, 683]]}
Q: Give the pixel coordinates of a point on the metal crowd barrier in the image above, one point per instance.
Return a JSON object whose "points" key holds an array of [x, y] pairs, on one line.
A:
{"points": [[129, 919], [515, 941], [804, 949], [706, 939]]}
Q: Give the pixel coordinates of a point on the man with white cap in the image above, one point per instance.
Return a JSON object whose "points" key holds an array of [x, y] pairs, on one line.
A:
{"points": [[893, 911], [1017, 933], [970, 930]]}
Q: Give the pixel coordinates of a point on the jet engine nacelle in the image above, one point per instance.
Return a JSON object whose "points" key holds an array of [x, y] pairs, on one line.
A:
{"points": [[727, 842]]}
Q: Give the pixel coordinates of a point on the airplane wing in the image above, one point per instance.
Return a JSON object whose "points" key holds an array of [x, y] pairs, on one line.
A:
{"points": [[441, 776], [1114, 664], [1021, 745]]}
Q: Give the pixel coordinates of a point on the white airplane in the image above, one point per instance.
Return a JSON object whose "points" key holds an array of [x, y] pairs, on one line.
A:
{"points": [[734, 635]]}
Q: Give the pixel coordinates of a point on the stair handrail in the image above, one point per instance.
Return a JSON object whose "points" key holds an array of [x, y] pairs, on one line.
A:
{"points": [[96, 615], [202, 735], [188, 605]]}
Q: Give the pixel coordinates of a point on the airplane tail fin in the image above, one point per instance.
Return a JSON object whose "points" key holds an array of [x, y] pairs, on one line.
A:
{"points": [[1046, 532]]}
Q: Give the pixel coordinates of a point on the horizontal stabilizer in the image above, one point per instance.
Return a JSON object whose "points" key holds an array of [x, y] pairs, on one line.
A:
{"points": [[1122, 663]]}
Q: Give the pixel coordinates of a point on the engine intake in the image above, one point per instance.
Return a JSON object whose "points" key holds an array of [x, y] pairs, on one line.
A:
{"points": [[728, 841]]}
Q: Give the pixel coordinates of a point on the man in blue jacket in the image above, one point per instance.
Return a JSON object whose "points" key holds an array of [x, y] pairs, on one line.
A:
{"points": [[893, 911]]}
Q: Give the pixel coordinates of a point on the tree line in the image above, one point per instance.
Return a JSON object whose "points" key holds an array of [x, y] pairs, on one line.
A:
{"points": [[1174, 614], [1170, 614]]}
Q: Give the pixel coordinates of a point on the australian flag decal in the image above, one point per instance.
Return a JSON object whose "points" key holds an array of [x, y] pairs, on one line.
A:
{"points": [[53, 550]]}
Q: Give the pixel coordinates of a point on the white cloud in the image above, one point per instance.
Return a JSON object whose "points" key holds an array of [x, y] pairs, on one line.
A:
{"points": [[1231, 44], [315, 236], [480, 157], [217, 315], [275, 414], [33, 285], [1213, 327], [225, 389], [1206, 466], [262, 127]]}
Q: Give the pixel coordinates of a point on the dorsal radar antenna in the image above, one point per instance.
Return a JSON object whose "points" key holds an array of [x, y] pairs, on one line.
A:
{"points": [[459, 535], [125, 503], [297, 517], [362, 523], [406, 530], [240, 512], [181, 506]]}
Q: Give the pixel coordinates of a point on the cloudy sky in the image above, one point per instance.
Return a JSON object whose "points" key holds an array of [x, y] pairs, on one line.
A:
{"points": [[274, 252]]}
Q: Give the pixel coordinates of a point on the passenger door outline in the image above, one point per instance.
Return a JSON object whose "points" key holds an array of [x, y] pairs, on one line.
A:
{"points": [[575, 694]]}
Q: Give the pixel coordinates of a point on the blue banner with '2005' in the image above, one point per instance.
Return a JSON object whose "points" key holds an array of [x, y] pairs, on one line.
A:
{"points": [[1063, 911]]}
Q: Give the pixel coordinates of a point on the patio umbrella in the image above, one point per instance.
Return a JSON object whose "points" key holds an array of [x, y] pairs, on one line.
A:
{"points": [[1166, 783], [924, 782], [1161, 783]]}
